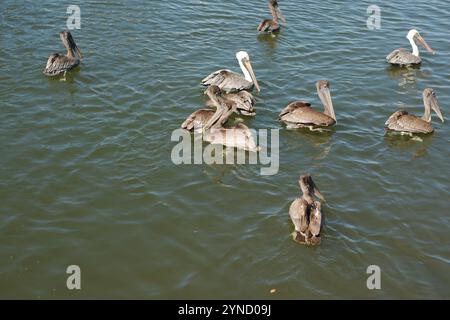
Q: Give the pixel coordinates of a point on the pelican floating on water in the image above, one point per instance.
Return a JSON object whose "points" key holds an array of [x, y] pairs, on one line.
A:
{"points": [[60, 63], [401, 57], [238, 136], [230, 81], [306, 213], [273, 25], [240, 102], [300, 114], [402, 121]]}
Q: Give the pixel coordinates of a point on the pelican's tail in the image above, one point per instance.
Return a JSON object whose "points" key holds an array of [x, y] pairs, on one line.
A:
{"points": [[301, 238]]}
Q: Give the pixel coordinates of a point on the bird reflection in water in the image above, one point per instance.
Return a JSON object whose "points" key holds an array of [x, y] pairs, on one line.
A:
{"points": [[407, 76], [418, 144], [320, 141], [270, 39]]}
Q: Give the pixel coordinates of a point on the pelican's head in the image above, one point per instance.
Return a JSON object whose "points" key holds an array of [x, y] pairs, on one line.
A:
{"points": [[242, 55], [213, 91], [308, 186], [247, 69], [414, 35], [69, 43], [431, 103], [273, 5]]}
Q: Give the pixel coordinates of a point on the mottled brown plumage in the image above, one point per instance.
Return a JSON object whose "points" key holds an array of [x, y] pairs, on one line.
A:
{"points": [[402, 121], [238, 136], [402, 57], [301, 114], [306, 213], [60, 63], [244, 102], [272, 25], [197, 120], [229, 81]]}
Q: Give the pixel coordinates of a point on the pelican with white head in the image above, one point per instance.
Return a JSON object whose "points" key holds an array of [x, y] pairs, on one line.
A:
{"points": [[401, 57], [229, 81]]}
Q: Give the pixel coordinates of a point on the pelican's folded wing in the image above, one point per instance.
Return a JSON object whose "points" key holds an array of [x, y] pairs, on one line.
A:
{"points": [[198, 119], [394, 117], [315, 223], [402, 57], [268, 26], [408, 123], [298, 213], [306, 115], [57, 64], [227, 80], [291, 107]]}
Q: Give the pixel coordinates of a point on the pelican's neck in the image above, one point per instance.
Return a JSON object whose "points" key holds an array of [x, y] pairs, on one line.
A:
{"points": [[427, 114], [214, 121], [308, 198], [225, 116], [414, 47], [220, 117], [274, 13], [328, 109], [245, 72], [70, 53]]}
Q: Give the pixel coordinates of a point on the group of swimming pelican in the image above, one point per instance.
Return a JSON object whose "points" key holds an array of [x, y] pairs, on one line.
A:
{"points": [[229, 92]]}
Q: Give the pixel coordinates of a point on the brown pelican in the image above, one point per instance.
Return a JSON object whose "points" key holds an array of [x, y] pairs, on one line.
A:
{"points": [[240, 102], [401, 57], [244, 102], [238, 136], [230, 81], [60, 63], [300, 114], [273, 25], [306, 213], [403, 122]]}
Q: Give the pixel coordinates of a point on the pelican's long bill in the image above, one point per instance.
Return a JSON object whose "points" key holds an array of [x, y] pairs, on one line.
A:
{"points": [[323, 90], [424, 43], [70, 44], [308, 182], [79, 52], [214, 119], [431, 102], [248, 66], [279, 14], [213, 92], [317, 193], [75, 47]]}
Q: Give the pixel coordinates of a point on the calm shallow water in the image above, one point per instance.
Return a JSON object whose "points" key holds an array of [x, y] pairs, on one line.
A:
{"points": [[86, 176]]}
